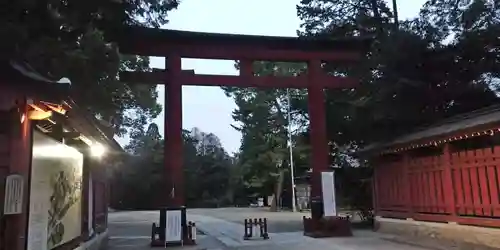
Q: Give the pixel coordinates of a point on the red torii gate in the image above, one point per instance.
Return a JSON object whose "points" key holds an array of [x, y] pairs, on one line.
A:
{"points": [[175, 45]]}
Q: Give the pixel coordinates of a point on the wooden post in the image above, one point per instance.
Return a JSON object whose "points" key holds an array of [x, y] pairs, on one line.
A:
{"points": [[173, 133], [92, 199], [318, 137], [407, 188], [448, 182], [375, 192], [20, 148], [87, 162], [246, 68]]}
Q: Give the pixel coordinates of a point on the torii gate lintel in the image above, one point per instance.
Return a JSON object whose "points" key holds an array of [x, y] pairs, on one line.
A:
{"points": [[175, 45]]}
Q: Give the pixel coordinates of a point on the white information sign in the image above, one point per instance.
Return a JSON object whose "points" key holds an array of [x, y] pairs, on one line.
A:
{"points": [[328, 188], [13, 201], [173, 230]]}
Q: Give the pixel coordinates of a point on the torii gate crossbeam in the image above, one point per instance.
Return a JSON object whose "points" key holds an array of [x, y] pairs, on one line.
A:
{"points": [[175, 45]]}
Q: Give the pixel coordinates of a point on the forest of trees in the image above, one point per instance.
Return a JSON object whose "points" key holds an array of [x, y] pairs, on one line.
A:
{"points": [[207, 171], [443, 62]]}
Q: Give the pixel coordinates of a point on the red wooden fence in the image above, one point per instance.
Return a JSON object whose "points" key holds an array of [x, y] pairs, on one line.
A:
{"points": [[458, 187]]}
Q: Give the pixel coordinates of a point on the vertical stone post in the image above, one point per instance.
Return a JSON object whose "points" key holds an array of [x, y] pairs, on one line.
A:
{"points": [[317, 123], [173, 135]]}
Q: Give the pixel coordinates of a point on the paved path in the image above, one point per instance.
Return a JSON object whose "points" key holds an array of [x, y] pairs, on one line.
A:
{"points": [[132, 231], [281, 221], [223, 231], [231, 235]]}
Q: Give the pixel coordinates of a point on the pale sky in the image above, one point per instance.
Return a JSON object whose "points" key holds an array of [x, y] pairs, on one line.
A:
{"points": [[207, 107]]}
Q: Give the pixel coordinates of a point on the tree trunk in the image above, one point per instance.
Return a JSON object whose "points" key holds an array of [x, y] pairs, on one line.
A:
{"points": [[376, 15], [395, 11], [277, 191]]}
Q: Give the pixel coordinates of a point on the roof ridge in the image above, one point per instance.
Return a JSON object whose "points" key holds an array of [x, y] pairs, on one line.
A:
{"points": [[459, 122], [458, 117]]}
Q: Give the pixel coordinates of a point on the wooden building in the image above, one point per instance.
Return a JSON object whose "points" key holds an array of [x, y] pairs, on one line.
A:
{"points": [[53, 192], [442, 181]]}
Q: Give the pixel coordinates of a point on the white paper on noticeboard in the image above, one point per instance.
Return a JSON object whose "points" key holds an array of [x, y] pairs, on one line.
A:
{"points": [[173, 231], [328, 188]]}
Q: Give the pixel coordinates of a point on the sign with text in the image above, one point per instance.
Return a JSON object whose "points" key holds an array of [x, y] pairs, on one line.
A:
{"points": [[13, 203], [173, 230], [328, 188]]}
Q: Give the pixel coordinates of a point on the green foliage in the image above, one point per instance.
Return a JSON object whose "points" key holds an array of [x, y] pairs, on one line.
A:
{"points": [[207, 170], [414, 74], [418, 71], [342, 17], [262, 113], [68, 39]]}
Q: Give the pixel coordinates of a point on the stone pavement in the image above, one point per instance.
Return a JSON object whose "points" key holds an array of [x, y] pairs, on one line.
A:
{"points": [[129, 243], [131, 231], [230, 234], [281, 222]]}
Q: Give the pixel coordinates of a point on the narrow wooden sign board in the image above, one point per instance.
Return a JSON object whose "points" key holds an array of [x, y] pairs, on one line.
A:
{"points": [[328, 188], [13, 202], [173, 229]]}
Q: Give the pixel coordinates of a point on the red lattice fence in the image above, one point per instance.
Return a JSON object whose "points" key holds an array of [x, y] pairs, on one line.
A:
{"points": [[459, 187]]}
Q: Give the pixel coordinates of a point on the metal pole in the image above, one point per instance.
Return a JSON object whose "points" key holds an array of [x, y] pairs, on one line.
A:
{"points": [[294, 208], [395, 11]]}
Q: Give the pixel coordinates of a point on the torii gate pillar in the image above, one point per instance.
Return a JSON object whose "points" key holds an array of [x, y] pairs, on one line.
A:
{"points": [[317, 123], [173, 127], [173, 133]]}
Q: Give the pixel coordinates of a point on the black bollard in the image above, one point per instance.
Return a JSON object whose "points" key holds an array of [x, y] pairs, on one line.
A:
{"points": [[266, 235], [255, 225], [248, 229], [153, 232], [245, 229], [261, 228], [250, 224], [162, 225], [190, 230]]}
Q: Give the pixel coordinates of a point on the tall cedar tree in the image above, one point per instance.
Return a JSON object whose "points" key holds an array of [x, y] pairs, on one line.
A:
{"points": [[439, 64], [69, 39]]}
